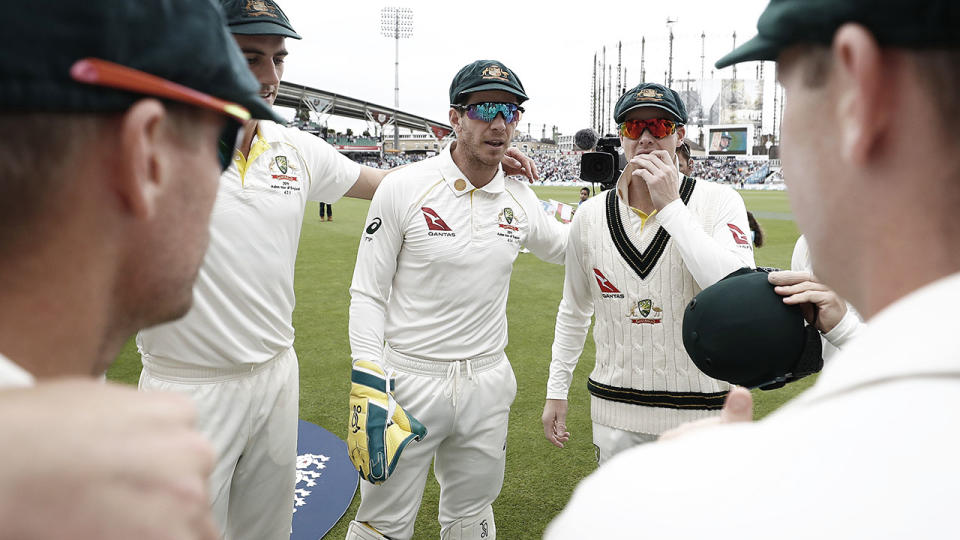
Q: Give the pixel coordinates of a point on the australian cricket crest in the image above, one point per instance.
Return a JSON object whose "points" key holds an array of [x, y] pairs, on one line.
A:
{"points": [[649, 94], [259, 8], [645, 312], [509, 225], [283, 175], [495, 72]]}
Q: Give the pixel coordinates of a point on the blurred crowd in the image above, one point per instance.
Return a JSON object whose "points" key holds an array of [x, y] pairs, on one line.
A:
{"points": [[725, 169], [557, 167], [388, 161]]}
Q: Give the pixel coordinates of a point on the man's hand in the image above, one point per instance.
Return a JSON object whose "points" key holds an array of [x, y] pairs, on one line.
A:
{"points": [[84, 459], [820, 305], [738, 407], [515, 162], [555, 422], [661, 175]]}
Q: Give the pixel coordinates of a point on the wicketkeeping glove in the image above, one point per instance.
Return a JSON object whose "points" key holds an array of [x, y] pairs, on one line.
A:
{"points": [[379, 427]]}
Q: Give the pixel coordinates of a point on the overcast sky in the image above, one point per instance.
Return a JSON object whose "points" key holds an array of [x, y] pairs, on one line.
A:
{"points": [[550, 48]]}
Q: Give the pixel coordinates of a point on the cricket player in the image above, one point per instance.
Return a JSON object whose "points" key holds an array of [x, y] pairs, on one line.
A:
{"points": [[233, 352], [637, 255], [428, 304], [870, 157], [120, 117]]}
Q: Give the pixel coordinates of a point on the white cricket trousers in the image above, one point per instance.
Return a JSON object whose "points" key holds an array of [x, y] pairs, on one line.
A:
{"points": [[250, 415], [465, 406], [610, 441]]}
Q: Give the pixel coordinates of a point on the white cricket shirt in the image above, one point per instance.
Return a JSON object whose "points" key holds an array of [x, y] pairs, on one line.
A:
{"points": [[12, 375], [433, 268], [243, 299]]}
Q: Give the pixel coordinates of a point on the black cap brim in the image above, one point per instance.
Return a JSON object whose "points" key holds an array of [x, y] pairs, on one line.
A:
{"points": [[758, 48], [263, 28]]}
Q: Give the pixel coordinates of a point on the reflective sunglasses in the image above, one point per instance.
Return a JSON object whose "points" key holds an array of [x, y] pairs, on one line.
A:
{"points": [[489, 110], [658, 127], [104, 73]]}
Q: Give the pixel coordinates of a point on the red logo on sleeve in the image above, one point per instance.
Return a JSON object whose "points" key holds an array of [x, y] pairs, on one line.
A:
{"points": [[434, 222], [604, 283], [738, 235]]}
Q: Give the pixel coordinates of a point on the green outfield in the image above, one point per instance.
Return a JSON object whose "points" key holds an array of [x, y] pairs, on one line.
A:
{"points": [[539, 477]]}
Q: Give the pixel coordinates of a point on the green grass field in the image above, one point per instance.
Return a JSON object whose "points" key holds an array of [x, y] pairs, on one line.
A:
{"points": [[539, 477]]}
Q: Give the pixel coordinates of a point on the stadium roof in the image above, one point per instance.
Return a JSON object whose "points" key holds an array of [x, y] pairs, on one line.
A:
{"points": [[296, 96]]}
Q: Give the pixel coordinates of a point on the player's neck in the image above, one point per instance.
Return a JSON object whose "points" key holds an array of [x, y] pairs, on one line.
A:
{"points": [[479, 174], [249, 131]]}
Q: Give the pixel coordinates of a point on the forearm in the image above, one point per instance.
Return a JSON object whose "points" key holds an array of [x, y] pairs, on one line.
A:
{"points": [[569, 338], [573, 322], [367, 320], [847, 329], [707, 259], [368, 181]]}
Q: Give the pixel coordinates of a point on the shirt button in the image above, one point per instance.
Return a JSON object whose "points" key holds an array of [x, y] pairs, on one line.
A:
{"points": [[460, 184]]}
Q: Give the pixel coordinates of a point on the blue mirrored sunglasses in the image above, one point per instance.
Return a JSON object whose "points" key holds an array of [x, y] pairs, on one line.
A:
{"points": [[489, 110]]}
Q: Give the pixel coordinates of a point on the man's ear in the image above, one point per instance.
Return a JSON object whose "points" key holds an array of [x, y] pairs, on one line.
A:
{"points": [[455, 120], [863, 92], [140, 151]]}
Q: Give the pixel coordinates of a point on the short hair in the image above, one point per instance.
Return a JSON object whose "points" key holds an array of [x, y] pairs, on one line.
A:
{"points": [[937, 69], [30, 181], [29, 178], [585, 189], [684, 150], [755, 227]]}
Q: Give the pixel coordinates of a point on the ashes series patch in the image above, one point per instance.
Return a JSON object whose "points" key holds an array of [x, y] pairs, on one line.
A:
{"points": [[283, 174]]}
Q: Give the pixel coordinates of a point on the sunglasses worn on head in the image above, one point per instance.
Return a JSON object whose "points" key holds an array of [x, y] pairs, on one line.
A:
{"points": [[489, 110], [658, 127], [104, 73]]}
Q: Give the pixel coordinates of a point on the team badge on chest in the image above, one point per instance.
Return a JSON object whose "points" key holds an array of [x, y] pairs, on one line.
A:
{"points": [[283, 175], [505, 219], [645, 312], [508, 225]]}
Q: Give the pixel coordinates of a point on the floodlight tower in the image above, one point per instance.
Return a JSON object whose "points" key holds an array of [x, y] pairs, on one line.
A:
{"points": [[734, 47], [643, 55], [396, 23], [670, 23]]}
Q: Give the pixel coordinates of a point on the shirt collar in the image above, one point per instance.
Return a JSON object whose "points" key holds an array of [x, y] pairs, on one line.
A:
{"points": [[267, 131], [458, 182], [12, 375]]}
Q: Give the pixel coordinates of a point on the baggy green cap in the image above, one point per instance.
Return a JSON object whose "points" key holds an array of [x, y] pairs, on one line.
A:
{"points": [[739, 330], [485, 75], [182, 41], [257, 17], [650, 95], [913, 25]]}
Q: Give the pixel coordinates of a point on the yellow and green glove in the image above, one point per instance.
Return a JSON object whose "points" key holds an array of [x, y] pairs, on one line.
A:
{"points": [[379, 428]]}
